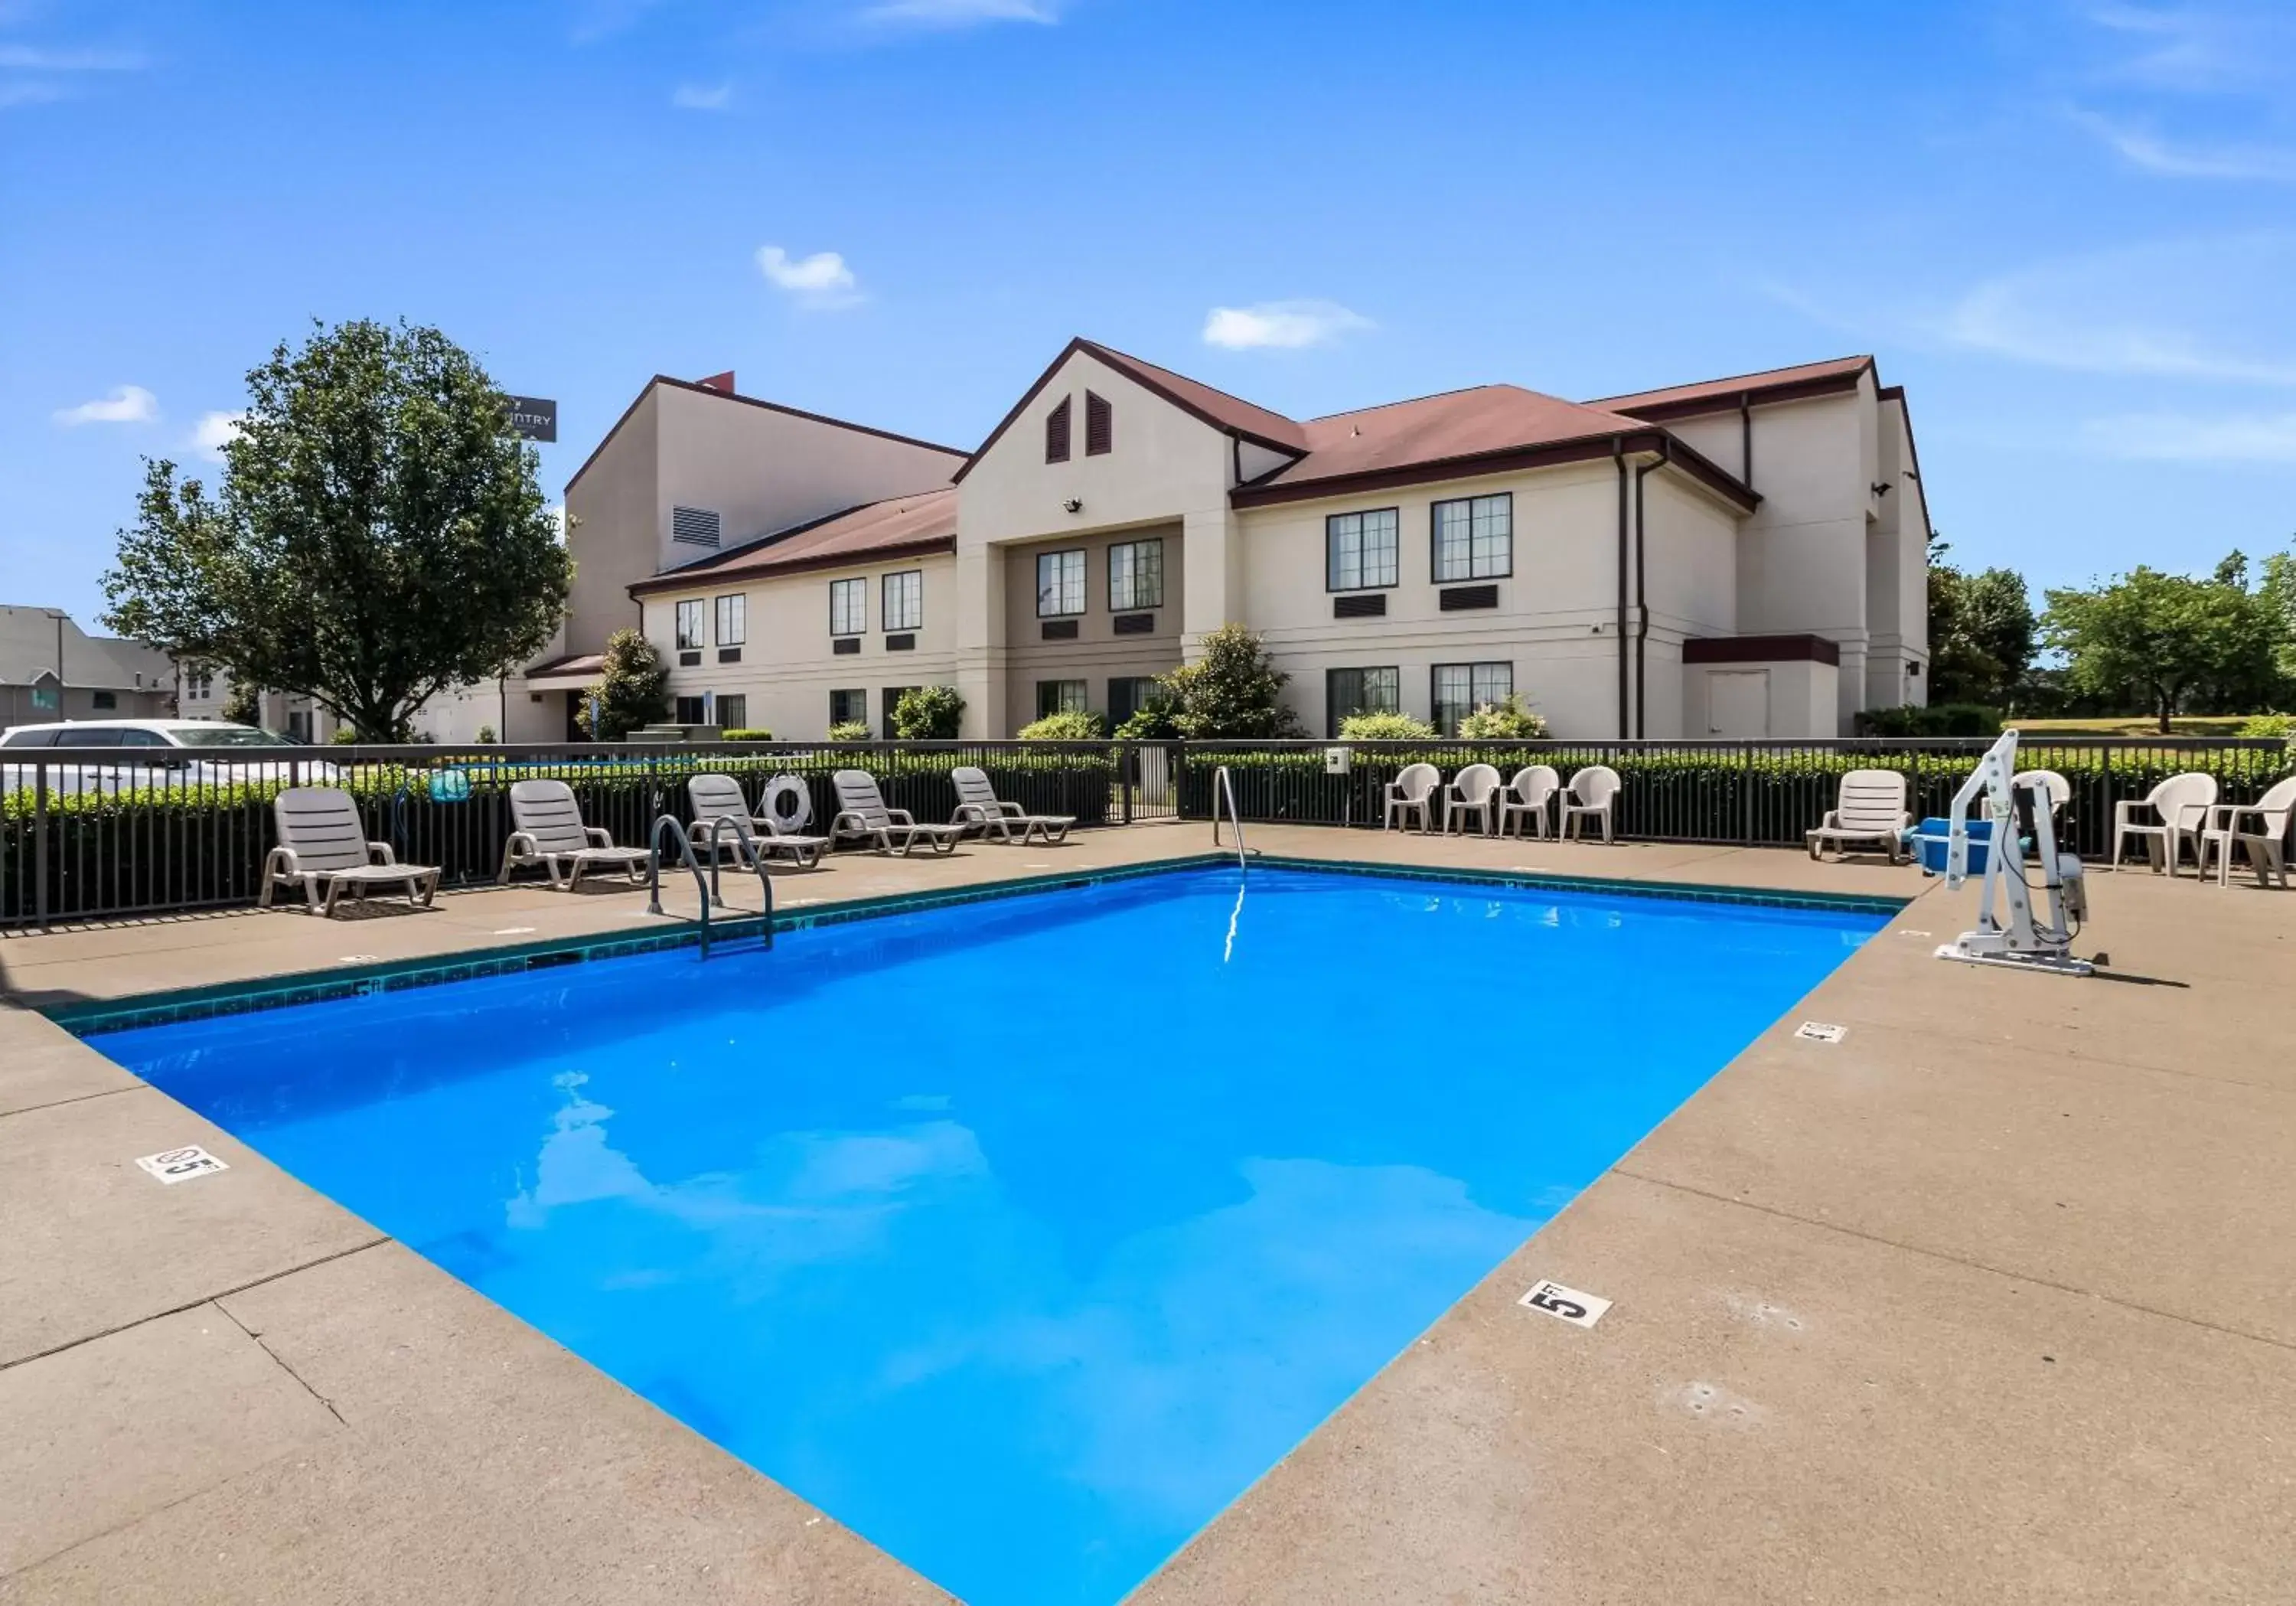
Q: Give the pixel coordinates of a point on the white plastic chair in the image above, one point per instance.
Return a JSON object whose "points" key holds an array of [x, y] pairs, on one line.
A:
{"points": [[1475, 791], [1412, 792], [2059, 789], [2263, 837], [323, 843], [2180, 809], [1525, 798], [1869, 807], [1592, 790], [547, 830]]}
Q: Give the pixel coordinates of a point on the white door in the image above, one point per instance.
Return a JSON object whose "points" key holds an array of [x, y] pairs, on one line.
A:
{"points": [[1738, 705]]}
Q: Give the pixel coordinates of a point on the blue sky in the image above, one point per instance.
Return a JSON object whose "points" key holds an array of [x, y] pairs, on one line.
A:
{"points": [[2070, 229]]}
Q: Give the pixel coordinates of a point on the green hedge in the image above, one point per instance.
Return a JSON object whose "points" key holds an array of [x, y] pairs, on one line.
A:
{"points": [[1757, 796], [172, 846]]}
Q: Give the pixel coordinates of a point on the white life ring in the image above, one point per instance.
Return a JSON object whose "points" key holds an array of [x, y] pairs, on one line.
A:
{"points": [[787, 801]]}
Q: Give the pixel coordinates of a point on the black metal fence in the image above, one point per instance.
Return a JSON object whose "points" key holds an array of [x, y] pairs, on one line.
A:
{"points": [[1751, 794], [90, 832]]}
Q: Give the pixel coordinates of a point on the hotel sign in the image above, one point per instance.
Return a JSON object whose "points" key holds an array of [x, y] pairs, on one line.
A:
{"points": [[534, 417]]}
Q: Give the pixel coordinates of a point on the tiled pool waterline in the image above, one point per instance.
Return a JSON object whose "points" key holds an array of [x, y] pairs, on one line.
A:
{"points": [[1020, 1236]]}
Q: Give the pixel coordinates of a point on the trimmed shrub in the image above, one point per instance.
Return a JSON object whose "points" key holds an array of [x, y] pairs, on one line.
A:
{"points": [[2269, 727], [927, 714], [748, 733], [1510, 719], [1071, 724], [1938, 719], [848, 730], [1384, 728]]}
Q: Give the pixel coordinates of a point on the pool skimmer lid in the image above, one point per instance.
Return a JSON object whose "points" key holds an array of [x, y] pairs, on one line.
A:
{"points": [[1570, 1304], [1821, 1031], [172, 1165]]}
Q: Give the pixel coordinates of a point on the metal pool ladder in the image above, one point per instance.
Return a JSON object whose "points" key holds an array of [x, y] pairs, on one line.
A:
{"points": [[705, 885], [1223, 786]]}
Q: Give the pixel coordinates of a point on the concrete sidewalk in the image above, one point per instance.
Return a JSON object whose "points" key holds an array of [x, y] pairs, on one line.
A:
{"points": [[1994, 1300]]}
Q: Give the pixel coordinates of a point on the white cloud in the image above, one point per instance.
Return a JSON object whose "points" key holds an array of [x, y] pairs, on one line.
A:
{"points": [[2157, 155], [27, 58], [2197, 49], [2185, 438], [1286, 325], [2190, 309], [702, 97], [214, 432], [959, 13], [129, 403], [821, 281]]}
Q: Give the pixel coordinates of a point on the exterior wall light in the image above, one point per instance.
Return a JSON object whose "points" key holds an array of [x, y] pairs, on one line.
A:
{"points": [[1074, 505]]}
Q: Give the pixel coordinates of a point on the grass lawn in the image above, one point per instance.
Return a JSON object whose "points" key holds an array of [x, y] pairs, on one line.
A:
{"points": [[2211, 724]]}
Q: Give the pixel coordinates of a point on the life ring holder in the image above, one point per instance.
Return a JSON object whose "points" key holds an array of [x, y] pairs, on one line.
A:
{"points": [[788, 802]]}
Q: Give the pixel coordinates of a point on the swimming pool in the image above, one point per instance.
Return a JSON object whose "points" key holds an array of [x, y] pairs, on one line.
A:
{"points": [[1020, 1236]]}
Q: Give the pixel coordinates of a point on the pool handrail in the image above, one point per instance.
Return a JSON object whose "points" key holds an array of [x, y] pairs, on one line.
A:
{"points": [[1224, 785], [745, 845], [685, 852]]}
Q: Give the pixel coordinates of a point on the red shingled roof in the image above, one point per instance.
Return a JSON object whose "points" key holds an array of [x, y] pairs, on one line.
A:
{"points": [[1439, 429], [1216, 407], [915, 524], [1771, 384]]}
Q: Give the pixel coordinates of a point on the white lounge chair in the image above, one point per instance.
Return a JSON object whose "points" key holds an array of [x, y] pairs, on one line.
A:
{"points": [[1870, 807], [861, 811], [1474, 790], [323, 843], [2259, 830], [1412, 792], [546, 830], [1533, 787], [2179, 807], [711, 798], [1592, 790], [978, 804]]}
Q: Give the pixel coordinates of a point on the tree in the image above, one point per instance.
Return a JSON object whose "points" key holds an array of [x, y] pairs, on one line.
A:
{"points": [[2166, 638], [927, 714], [243, 703], [1982, 632], [632, 688], [1231, 691], [378, 536]]}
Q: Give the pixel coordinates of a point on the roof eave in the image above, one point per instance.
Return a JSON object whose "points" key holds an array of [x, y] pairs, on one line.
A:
{"points": [[1555, 453], [686, 581], [1731, 400]]}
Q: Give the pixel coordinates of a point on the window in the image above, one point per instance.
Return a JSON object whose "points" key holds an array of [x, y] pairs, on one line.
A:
{"points": [[694, 526], [733, 621], [1060, 696], [848, 607], [1099, 426], [1060, 584], [734, 711], [198, 683], [1348, 691], [105, 702], [30, 738], [1360, 549], [904, 600], [1128, 694], [1135, 576], [1461, 688], [1056, 433], [689, 624], [690, 711], [849, 707], [1474, 538], [892, 700]]}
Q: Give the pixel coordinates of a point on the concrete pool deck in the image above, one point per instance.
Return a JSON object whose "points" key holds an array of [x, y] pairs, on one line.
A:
{"points": [[1994, 1300]]}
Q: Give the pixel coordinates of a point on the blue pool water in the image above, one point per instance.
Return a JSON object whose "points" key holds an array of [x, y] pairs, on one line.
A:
{"points": [[1020, 1236]]}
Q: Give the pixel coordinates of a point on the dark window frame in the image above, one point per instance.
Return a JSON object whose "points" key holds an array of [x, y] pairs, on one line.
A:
{"points": [[1449, 728], [909, 620], [860, 581], [1084, 583], [741, 700], [1333, 714], [1330, 550], [741, 611], [697, 638], [1136, 605], [1435, 538], [862, 692], [1084, 696]]}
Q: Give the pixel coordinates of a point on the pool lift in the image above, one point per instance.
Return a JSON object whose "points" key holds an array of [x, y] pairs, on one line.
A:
{"points": [[2018, 814]]}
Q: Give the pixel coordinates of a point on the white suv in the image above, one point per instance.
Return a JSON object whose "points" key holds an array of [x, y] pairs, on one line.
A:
{"points": [[190, 752]]}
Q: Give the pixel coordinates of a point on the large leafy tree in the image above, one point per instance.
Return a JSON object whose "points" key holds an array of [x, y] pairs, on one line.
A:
{"points": [[1233, 691], [378, 536], [1982, 632], [632, 688], [2168, 640]]}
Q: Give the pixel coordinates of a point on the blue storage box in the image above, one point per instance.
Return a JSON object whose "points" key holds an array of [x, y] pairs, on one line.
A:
{"points": [[1934, 839]]}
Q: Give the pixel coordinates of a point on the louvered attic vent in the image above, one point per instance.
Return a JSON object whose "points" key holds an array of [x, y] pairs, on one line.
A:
{"points": [[694, 526], [1099, 426], [1056, 433]]}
